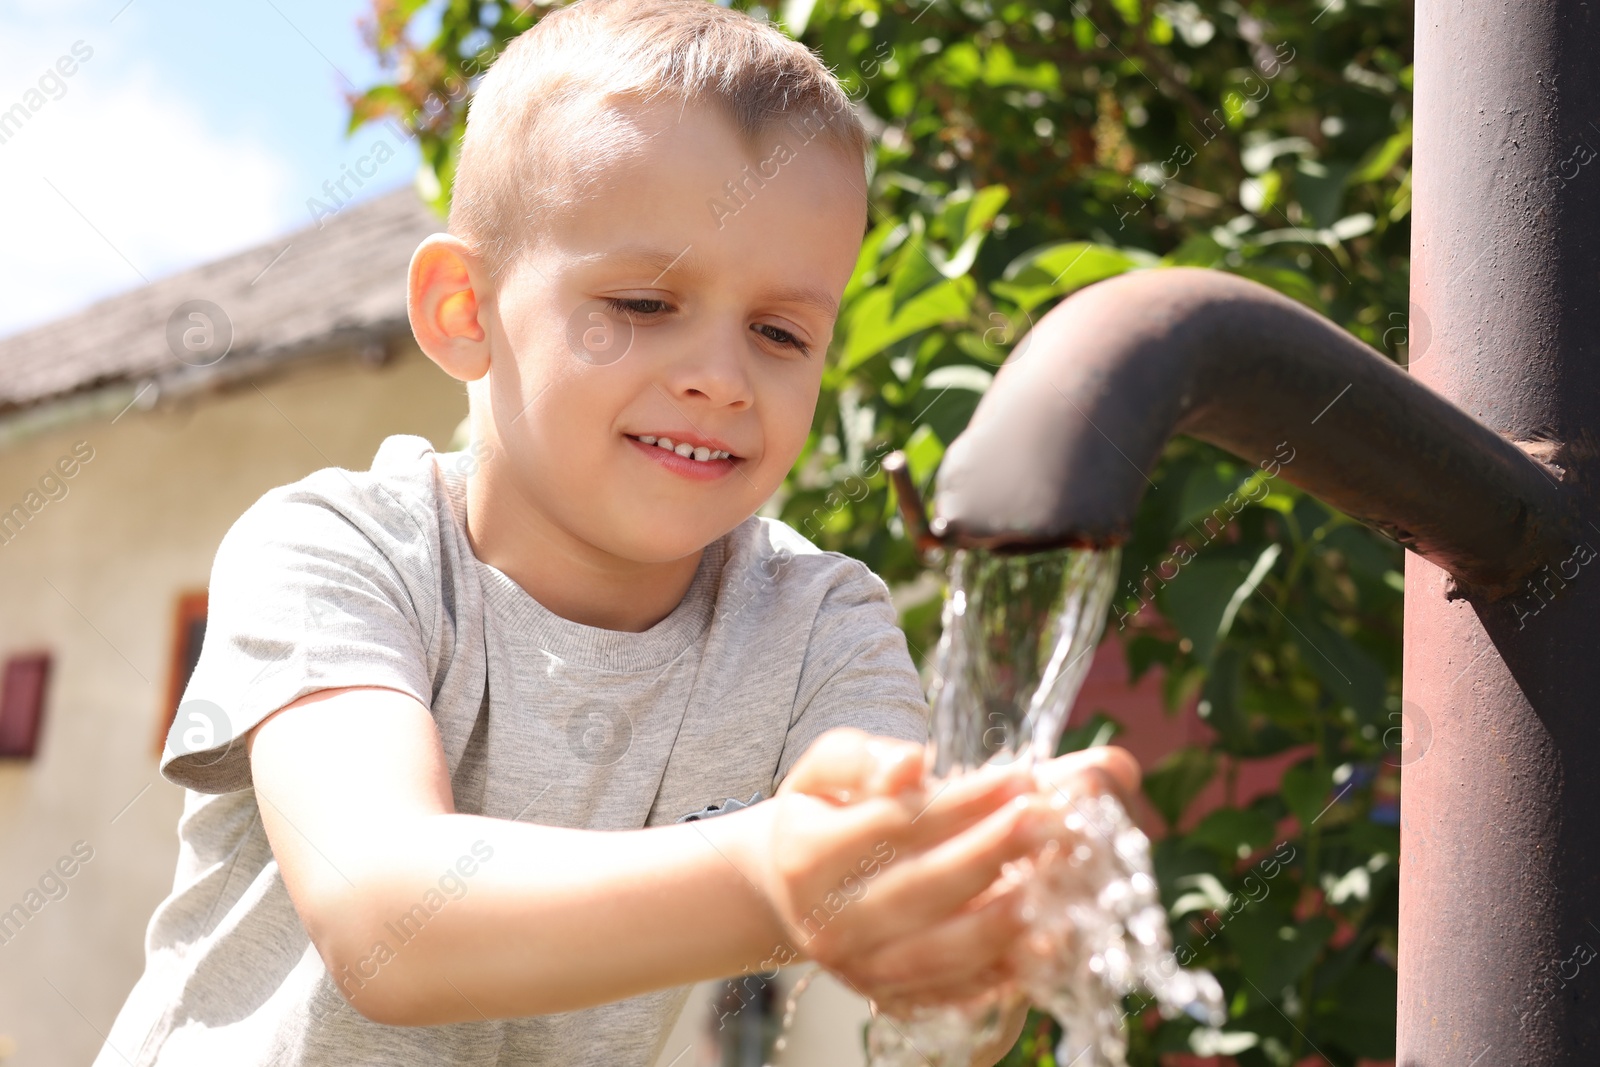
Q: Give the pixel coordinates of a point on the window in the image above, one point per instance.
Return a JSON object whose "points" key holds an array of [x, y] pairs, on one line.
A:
{"points": [[188, 631], [22, 704]]}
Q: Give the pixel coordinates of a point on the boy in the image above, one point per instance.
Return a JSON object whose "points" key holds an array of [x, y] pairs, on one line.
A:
{"points": [[460, 722]]}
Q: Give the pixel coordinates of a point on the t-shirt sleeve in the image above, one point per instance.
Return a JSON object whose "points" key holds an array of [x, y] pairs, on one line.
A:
{"points": [[301, 599], [857, 670]]}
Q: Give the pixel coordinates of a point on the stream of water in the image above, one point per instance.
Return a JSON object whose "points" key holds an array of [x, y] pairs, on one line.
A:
{"points": [[1019, 635]]}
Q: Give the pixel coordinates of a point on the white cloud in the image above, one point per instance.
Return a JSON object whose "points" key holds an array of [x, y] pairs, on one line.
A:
{"points": [[131, 158]]}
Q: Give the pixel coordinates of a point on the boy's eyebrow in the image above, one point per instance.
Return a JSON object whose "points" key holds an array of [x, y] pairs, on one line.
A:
{"points": [[690, 266]]}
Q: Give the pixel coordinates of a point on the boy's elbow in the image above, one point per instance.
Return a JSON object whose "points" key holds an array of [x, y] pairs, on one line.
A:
{"points": [[375, 984], [364, 961]]}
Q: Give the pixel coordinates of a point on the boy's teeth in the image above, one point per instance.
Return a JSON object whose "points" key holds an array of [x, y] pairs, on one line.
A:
{"points": [[685, 449]]}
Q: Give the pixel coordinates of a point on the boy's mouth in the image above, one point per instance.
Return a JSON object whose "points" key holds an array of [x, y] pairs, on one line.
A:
{"points": [[700, 451]]}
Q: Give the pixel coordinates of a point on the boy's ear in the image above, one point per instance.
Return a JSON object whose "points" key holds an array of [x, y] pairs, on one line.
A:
{"points": [[443, 299]]}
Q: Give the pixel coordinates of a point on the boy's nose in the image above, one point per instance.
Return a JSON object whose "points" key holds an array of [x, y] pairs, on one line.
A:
{"points": [[714, 369]]}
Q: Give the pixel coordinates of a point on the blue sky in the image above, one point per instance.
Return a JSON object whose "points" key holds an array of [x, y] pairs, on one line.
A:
{"points": [[190, 131]]}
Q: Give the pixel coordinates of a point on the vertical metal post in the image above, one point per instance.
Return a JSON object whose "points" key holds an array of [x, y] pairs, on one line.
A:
{"points": [[1500, 865]]}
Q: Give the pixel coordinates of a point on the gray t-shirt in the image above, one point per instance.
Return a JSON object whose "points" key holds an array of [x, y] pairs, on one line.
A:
{"points": [[366, 578]]}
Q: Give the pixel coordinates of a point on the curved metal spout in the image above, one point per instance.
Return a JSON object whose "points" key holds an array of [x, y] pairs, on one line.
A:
{"points": [[1059, 449]]}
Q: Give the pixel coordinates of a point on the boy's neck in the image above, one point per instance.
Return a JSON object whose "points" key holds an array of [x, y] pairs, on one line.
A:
{"points": [[569, 576]]}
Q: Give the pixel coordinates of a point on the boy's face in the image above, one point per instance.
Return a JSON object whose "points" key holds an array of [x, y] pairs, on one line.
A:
{"points": [[663, 306]]}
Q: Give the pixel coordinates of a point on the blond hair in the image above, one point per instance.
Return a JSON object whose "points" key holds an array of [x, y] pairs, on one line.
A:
{"points": [[543, 124]]}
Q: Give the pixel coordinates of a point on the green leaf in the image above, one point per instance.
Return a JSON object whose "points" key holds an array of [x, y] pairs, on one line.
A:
{"points": [[923, 451], [967, 214], [1365, 551], [958, 376], [1205, 1041], [1321, 189], [1383, 157], [1131, 11], [914, 270], [1056, 270], [1358, 1013], [1177, 780], [1143, 652], [873, 328], [1100, 729], [796, 15], [1204, 598], [1273, 953], [883, 239], [1306, 790], [1351, 674], [1206, 893], [1205, 493], [1197, 250], [1234, 832], [1290, 283], [1219, 704]]}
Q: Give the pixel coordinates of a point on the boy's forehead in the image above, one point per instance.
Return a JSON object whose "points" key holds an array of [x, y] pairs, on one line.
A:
{"points": [[679, 185]]}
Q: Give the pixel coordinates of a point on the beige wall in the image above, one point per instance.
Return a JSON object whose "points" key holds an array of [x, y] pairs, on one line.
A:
{"points": [[94, 578]]}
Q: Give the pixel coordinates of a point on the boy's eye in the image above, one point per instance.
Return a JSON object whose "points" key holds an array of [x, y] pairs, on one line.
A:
{"points": [[624, 306], [643, 306], [784, 337]]}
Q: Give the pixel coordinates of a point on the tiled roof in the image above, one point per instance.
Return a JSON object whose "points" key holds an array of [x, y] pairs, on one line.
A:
{"points": [[318, 290]]}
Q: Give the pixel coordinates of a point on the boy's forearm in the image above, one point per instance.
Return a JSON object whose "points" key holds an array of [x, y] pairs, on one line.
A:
{"points": [[548, 919]]}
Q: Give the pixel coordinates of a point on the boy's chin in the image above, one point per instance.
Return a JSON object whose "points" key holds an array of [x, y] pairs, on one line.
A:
{"points": [[666, 538]]}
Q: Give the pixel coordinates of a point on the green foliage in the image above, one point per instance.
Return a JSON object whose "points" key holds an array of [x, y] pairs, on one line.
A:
{"points": [[1027, 150]]}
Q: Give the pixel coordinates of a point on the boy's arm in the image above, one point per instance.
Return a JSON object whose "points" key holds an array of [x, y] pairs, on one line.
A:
{"points": [[426, 916]]}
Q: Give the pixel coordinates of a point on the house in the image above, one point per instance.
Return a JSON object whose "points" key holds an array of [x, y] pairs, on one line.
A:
{"points": [[132, 434]]}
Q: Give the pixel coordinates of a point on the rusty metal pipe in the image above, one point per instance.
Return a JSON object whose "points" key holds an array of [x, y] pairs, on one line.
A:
{"points": [[1499, 866], [1060, 448]]}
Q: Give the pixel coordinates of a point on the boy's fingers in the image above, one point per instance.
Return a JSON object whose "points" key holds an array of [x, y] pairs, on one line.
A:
{"points": [[846, 764], [1105, 769], [958, 958], [950, 806], [935, 884], [899, 765]]}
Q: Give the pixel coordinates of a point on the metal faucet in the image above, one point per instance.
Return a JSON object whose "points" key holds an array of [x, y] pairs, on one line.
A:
{"points": [[1060, 448]]}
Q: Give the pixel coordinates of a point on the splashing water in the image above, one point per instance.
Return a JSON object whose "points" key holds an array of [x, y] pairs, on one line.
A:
{"points": [[1019, 633], [789, 1007]]}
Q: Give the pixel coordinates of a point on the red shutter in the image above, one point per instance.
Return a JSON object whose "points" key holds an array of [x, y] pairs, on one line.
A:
{"points": [[188, 631], [22, 704]]}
